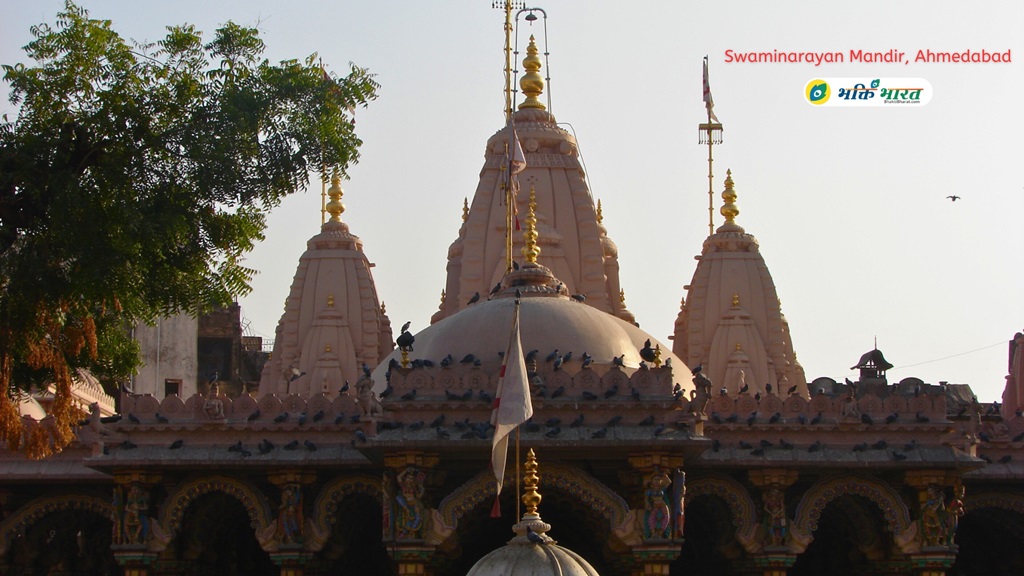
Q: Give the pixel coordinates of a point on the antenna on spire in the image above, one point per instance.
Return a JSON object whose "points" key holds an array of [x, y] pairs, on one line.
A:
{"points": [[710, 134]]}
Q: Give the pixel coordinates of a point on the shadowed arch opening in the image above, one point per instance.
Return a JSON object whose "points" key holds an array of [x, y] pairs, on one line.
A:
{"points": [[711, 548], [990, 537], [255, 504], [850, 539], [69, 540], [355, 546], [216, 538]]}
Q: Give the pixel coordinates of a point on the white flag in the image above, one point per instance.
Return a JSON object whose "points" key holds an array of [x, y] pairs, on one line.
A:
{"points": [[512, 404], [708, 101]]}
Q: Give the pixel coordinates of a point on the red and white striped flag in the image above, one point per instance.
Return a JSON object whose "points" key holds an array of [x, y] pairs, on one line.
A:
{"points": [[708, 101], [512, 404]]}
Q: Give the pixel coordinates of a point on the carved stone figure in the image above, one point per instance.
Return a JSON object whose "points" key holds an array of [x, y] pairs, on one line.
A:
{"points": [[933, 518], [134, 519], [213, 406], [849, 409], [701, 394], [409, 523], [775, 523], [289, 517], [657, 511], [954, 510], [367, 399]]}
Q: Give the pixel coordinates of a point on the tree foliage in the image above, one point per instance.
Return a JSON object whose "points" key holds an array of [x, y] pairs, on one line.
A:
{"points": [[133, 180]]}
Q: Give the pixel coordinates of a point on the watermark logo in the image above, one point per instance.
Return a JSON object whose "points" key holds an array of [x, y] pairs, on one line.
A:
{"points": [[817, 92], [868, 92]]}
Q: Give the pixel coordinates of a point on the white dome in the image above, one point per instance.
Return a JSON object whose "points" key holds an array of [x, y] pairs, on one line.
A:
{"points": [[540, 556]]}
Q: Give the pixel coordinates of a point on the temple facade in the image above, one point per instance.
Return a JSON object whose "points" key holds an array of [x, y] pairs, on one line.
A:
{"points": [[366, 453]]}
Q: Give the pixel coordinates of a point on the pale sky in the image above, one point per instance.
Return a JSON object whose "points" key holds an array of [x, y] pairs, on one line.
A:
{"points": [[849, 204]]}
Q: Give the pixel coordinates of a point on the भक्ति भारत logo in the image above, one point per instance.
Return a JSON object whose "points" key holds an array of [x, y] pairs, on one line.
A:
{"points": [[817, 92]]}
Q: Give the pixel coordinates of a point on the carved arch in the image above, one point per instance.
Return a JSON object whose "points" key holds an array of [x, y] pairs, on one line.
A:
{"points": [[23, 519], [572, 481], [1000, 500], [894, 510], [254, 502], [741, 505], [331, 496]]}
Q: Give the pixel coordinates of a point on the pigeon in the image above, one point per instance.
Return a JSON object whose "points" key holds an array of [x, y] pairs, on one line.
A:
{"points": [[318, 416], [309, 446], [1018, 437], [880, 445], [801, 418], [410, 395], [281, 417], [483, 395], [757, 452], [302, 419], [558, 363], [866, 419], [296, 374], [579, 297], [533, 537], [792, 390], [816, 419], [953, 198], [600, 433], [744, 389], [442, 433], [451, 395], [558, 392], [468, 359], [161, 418], [245, 453], [588, 395], [716, 445], [775, 418], [619, 361], [757, 396], [614, 421], [360, 435], [387, 392], [921, 418], [447, 361], [649, 421], [611, 391], [437, 421], [552, 422], [816, 447], [254, 416], [697, 370], [768, 388], [732, 418], [892, 418], [577, 422], [860, 447], [644, 366], [553, 432], [532, 426], [495, 290], [531, 355], [648, 353], [295, 444], [236, 447], [634, 393], [133, 419], [766, 444], [474, 299], [751, 419], [659, 430], [552, 356], [417, 425], [1005, 459], [366, 369], [897, 455], [265, 446], [716, 418], [339, 419], [785, 445], [176, 444], [567, 357], [744, 445]]}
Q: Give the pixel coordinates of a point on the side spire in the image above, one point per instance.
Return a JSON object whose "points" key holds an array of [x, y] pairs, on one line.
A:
{"points": [[530, 249]]}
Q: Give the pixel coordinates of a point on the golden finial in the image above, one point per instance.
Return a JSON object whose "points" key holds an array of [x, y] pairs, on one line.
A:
{"points": [[383, 309], [600, 214], [738, 347], [532, 83], [622, 296], [405, 358], [327, 348], [735, 298], [530, 249], [729, 209], [335, 207], [330, 300], [657, 355], [465, 209], [442, 296], [531, 498]]}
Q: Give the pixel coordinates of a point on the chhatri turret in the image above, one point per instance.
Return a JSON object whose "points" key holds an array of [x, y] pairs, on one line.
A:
{"points": [[332, 322], [575, 245], [731, 319]]}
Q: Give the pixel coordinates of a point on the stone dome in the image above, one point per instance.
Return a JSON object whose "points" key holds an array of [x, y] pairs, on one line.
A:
{"points": [[549, 320]]}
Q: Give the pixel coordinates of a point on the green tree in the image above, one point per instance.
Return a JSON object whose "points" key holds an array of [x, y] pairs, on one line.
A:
{"points": [[133, 180]]}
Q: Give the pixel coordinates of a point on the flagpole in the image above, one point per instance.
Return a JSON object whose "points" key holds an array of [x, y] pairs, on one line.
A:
{"points": [[710, 134], [323, 171]]}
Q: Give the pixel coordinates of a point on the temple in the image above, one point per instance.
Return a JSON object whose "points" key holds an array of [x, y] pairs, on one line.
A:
{"points": [[361, 449]]}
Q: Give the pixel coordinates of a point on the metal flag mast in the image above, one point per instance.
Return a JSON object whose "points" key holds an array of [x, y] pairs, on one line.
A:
{"points": [[710, 134]]}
